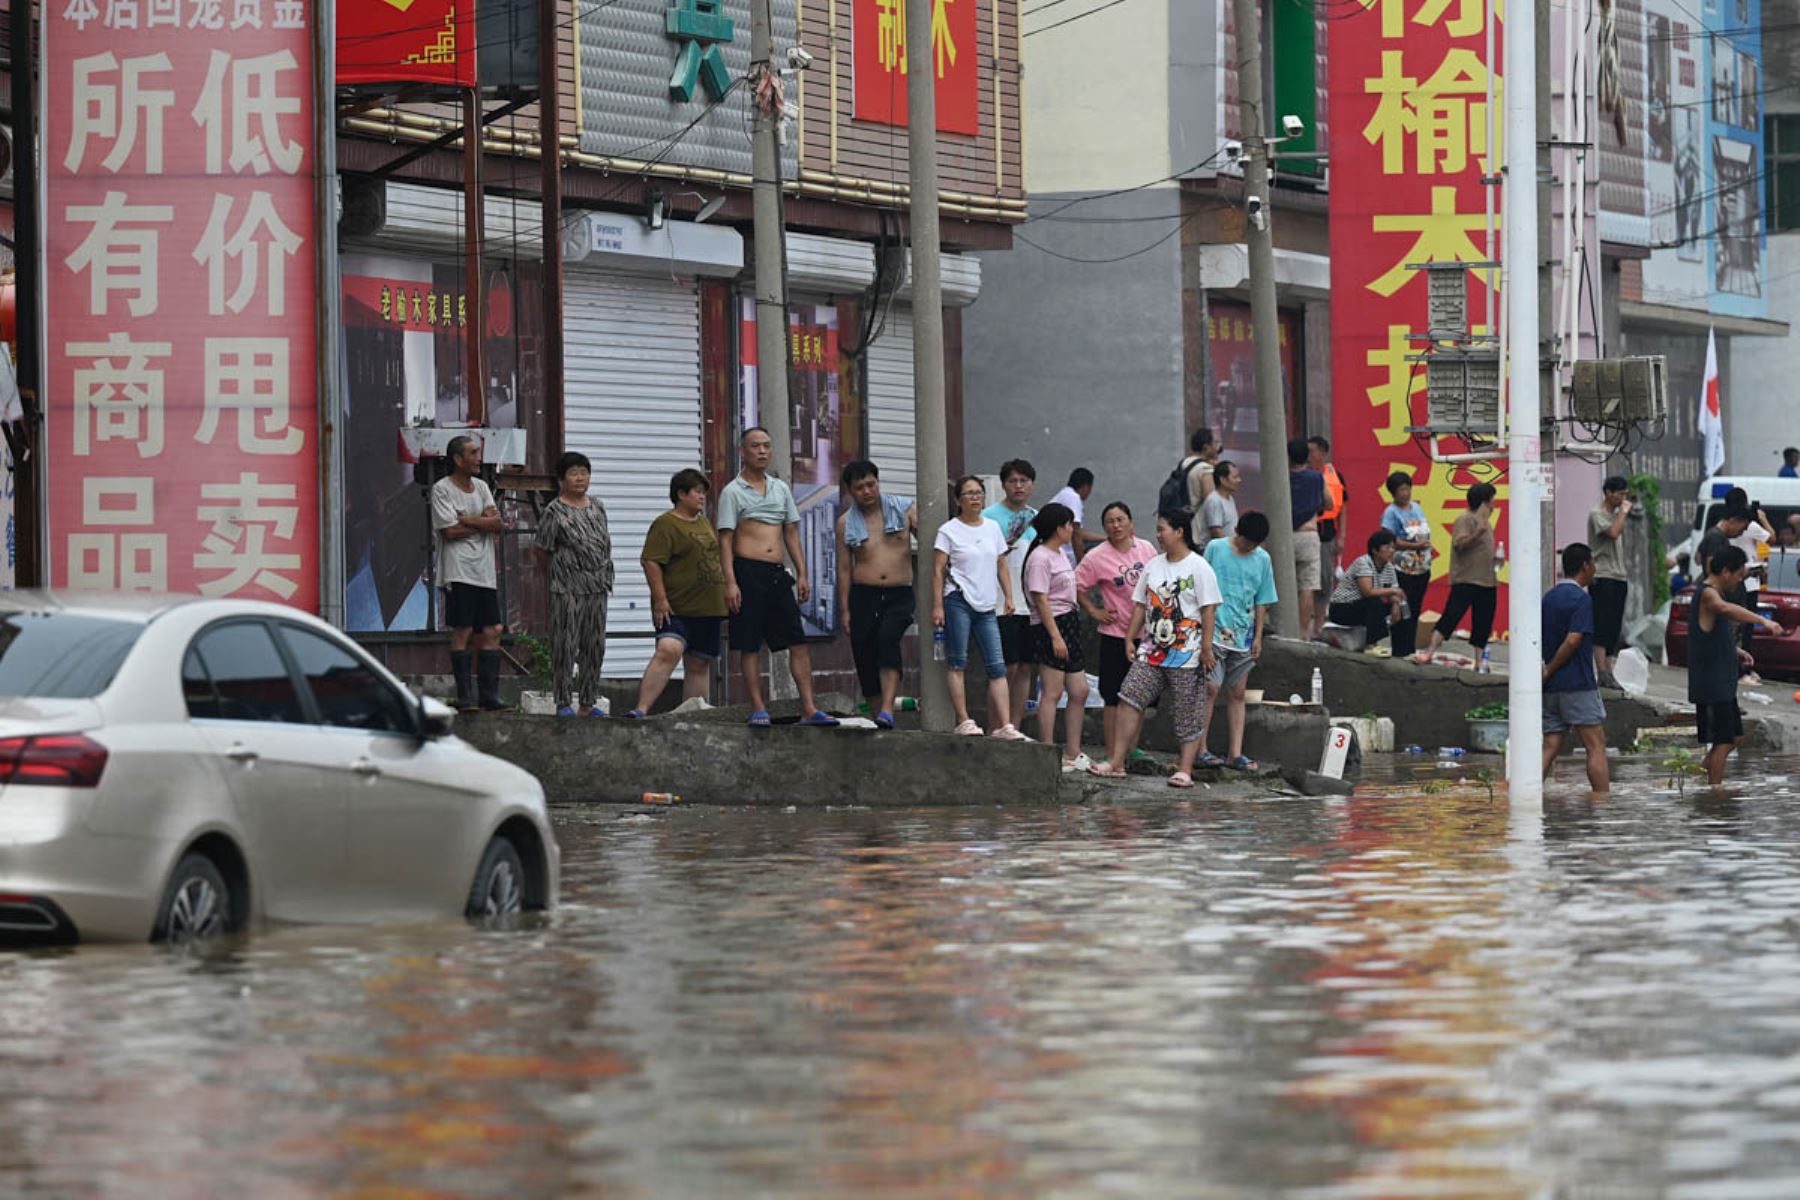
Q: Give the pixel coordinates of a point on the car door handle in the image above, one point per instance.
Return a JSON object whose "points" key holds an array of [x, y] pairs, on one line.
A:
{"points": [[241, 753], [365, 766]]}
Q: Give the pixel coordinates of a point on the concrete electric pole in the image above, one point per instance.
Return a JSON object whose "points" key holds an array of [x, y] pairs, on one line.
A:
{"points": [[930, 438], [771, 290], [1271, 405], [1529, 473]]}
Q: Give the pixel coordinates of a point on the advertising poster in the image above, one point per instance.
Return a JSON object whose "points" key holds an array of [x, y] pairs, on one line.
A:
{"points": [[881, 62], [1232, 413], [1409, 106], [826, 436], [181, 289]]}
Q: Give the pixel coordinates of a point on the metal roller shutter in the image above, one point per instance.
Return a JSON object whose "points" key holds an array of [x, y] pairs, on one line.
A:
{"points": [[632, 356], [890, 403]]}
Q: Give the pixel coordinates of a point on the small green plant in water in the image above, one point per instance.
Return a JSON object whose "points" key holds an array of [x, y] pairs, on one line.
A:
{"points": [[1487, 777], [1681, 764], [1435, 787], [1495, 711]]}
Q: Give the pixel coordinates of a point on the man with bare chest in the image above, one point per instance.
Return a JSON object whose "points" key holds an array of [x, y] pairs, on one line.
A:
{"points": [[875, 583], [757, 521]]}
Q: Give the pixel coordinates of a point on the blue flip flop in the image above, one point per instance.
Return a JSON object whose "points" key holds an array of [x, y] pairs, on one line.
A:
{"points": [[884, 720], [1209, 759], [636, 714], [821, 720], [759, 720], [565, 711]]}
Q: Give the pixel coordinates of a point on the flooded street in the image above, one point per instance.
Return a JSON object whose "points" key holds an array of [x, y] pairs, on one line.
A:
{"points": [[1367, 997]]}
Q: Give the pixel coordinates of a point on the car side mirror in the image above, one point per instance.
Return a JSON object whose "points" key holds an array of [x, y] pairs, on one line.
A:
{"points": [[436, 719]]}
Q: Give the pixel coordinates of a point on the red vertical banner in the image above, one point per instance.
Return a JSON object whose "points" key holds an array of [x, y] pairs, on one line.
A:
{"points": [[1409, 149], [880, 61], [182, 296]]}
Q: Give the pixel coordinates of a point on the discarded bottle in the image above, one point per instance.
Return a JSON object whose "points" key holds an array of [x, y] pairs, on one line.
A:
{"points": [[661, 798], [1486, 665], [1500, 553], [937, 645], [909, 704], [1318, 687], [1451, 751], [1413, 750]]}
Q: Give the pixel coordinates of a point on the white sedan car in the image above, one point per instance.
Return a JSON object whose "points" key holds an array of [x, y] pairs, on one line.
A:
{"points": [[176, 768]]}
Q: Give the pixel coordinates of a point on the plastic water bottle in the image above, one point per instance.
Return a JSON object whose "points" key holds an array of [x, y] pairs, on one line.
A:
{"points": [[1486, 665], [937, 644], [1500, 553], [1318, 686]]}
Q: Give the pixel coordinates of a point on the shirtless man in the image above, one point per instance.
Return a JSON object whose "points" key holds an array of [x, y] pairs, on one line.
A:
{"points": [[757, 518], [875, 596]]}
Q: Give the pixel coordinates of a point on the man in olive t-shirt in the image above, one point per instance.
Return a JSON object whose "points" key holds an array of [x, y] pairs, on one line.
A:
{"points": [[1606, 537]]}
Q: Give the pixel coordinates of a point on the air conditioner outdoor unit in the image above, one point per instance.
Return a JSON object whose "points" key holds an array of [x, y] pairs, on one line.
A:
{"points": [[1613, 391]]}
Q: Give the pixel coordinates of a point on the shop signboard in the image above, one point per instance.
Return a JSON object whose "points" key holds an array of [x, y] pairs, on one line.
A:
{"points": [[181, 297], [1408, 86], [1232, 413], [411, 41], [881, 63]]}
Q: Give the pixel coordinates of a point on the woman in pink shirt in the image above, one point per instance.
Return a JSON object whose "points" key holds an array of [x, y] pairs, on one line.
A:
{"points": [[1056, 631], [1104, 583]]}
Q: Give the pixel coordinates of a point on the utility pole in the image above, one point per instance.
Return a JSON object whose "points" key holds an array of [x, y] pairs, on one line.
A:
{"points": [[1271, 405], [930, 440], [30, 508], [771, 292], [1530, 474]]}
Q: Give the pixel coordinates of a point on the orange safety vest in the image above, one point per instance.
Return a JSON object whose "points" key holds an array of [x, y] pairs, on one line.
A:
{"points": [[1334, 491]]}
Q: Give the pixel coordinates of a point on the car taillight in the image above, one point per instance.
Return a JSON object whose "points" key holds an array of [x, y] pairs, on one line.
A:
{"points": [[54, 760]]}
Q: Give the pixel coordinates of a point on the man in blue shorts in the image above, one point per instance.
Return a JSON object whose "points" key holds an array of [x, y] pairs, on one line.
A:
{"points": [[1571, 686]]}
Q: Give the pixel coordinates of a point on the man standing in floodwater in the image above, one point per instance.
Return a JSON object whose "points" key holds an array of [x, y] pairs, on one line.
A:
{"points": [[875, 596], [1714, 655], [1571, 684]]}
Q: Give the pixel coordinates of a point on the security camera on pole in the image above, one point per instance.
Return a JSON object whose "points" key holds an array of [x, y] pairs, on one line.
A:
{"points": [[1271, 402]]}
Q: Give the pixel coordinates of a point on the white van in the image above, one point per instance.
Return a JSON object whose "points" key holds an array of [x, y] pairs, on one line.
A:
{"points": [[1778, 498]]}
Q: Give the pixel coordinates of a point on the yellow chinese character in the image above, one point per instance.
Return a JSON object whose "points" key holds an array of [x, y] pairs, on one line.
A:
{"points": [[818, 348], [1394, 395], [462, 309], [1442, 490], [1447, 113], [387, 303], [1444, 235], [890, 35], [418, 308], [444, 307], [431, 309], [1468, 21]]}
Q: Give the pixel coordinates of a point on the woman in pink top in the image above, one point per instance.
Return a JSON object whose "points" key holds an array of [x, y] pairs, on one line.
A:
{"points": [[1056, 631], [1105, 581]]}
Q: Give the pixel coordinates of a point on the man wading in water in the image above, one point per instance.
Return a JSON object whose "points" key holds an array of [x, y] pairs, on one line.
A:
{"points": [[1713, 658]]}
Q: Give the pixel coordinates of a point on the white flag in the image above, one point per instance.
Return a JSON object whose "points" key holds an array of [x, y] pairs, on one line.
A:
{"points": [[1712, 426]]}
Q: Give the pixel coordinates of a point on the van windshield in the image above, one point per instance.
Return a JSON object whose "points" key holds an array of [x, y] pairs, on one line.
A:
{"points": [[62, 656]]}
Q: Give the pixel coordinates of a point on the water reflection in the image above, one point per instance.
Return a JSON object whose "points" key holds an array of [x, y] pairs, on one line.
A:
{"points": [[1378, 996]]}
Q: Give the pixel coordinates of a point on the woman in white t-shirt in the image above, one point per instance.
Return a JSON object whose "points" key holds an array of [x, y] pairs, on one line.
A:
{"points": [[1056, 631], [970, 581], [1173, 608]]}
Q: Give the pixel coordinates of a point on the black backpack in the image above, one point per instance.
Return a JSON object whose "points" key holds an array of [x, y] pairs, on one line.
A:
{"points": [[1174, 491]]}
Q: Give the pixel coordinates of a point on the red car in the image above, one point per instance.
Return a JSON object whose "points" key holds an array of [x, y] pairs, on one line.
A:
{"points": [[1776, 656]]}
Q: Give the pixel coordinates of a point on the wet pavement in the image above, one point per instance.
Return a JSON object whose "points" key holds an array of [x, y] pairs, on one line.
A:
{"points": [[1376, 996]]}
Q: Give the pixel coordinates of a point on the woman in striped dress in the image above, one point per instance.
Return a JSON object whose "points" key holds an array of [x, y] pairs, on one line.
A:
{"points": [[574, 537]]}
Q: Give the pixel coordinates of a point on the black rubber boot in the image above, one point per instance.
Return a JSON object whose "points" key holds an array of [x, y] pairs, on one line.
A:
{"points": [[462, 669], [487, 673]]}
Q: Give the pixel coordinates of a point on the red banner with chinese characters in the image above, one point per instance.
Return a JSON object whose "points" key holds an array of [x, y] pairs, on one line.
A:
{"points": [[418, 41], [181, 381], [1408, 152], [879, 52]]}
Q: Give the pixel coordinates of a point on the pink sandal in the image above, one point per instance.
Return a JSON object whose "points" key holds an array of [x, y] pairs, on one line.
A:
{"points": [[1181, 779], [1106, 770]]}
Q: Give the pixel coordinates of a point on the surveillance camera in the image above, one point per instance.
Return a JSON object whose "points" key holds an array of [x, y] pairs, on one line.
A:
{"points": [[1234, 150], [1293, 126], [799, 58], [1253, 205]]}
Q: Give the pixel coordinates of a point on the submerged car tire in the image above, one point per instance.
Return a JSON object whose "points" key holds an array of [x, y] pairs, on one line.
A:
{"points": [[499, 889], [196, 905]]}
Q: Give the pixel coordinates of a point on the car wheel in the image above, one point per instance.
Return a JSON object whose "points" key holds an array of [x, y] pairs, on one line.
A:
{"points": [[196, 905], [499, 889]]}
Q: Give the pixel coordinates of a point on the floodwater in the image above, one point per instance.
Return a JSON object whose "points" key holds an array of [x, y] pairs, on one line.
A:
{"points": [[1382, 996]]}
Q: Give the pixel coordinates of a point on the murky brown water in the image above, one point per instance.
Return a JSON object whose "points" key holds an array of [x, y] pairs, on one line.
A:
{"points": [[1373, 997]]}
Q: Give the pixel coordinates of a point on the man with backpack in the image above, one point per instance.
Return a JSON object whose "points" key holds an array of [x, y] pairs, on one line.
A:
{"points": [[1191, 482]]}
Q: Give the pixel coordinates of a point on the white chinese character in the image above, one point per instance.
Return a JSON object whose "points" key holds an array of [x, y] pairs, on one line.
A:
{"points": [[163, 12], [80, 12], [105, 110], [129, 561], [255, 100], [208, 14], [118, 259], [249, 377], [119, 397], [260, 230], [241, 524], [290, 14], [246, 12], [121, 14]]}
